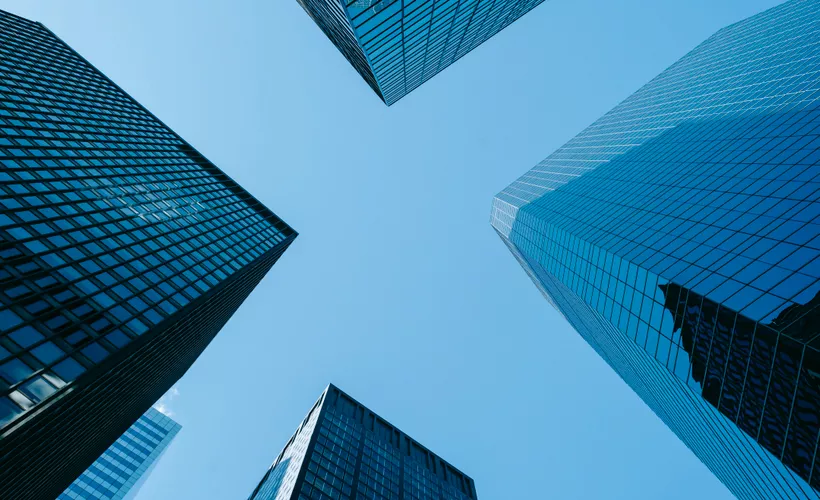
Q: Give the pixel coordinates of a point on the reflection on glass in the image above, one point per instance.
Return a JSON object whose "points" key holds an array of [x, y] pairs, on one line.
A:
{"points": [[764, 377]]}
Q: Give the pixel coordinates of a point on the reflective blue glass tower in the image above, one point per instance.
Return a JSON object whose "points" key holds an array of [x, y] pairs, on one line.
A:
{"points": [[680, 236], [396, 45], [344, 451], [123, 252], [119, 472]]}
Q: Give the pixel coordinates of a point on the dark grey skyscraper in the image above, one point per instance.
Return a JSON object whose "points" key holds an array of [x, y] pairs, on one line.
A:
{"points": [[397, 45], [123, 251], [680, 235], [344, 451]]}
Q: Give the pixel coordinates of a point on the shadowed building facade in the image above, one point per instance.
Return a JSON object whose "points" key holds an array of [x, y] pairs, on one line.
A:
{"points": [[119, 472], [123, 251], [396, 45], [680, 236], [342, 451]]}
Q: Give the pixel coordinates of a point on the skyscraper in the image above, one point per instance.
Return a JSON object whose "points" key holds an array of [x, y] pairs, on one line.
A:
{"points": [[397, 45], [120, 471], [123, 251], [343, 450], [680, 236]]}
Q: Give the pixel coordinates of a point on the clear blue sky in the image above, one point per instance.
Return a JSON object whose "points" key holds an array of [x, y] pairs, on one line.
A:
{"points": [[397, 289]]}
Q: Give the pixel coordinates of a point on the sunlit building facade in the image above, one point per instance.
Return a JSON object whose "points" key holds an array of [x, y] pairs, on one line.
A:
{"points": [[123, 251], [680, 236], [397, 45], [342, 450], [120, 471]]}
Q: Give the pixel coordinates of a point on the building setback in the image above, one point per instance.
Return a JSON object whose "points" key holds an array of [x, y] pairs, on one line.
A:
{"points": [[397, 45], [123, 251], [680, 236], [120, 471], [342, 450]]}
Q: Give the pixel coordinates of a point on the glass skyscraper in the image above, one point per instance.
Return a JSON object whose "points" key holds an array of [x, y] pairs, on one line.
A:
{"points": [[119, 472], [123, 251], [396, 45], [680, 236], [342, 451]]}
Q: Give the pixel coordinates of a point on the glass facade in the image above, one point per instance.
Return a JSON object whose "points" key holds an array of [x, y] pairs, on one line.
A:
{"points": [[342, 450], [680, 236], [118, 473], [121, 248], [396, 45]]}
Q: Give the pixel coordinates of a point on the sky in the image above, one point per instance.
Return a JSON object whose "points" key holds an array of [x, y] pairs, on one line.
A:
{"points": [[397, 290]]}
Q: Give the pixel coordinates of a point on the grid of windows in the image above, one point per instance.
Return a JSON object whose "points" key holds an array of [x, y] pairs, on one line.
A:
{"points": [[280, 481], [113, 232], [396, 45], [332, 20], [354, 454], [127, 462], [379, 473], [421, 484], [333, 461], [109, 223], [688, 219]]}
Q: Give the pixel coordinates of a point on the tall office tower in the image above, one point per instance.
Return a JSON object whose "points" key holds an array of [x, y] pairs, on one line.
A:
{"points": [[342, 450], [680, 236], [120, 471], [397, 45], [123, 251]]}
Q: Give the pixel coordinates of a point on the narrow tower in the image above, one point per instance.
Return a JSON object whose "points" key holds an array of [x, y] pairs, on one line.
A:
{"points": [[120, 471]]}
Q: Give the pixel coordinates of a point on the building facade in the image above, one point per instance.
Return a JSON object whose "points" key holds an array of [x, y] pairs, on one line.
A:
{"points": [[123, 251], [119, 472], [680, 236], [397, 45], [342, 450]]}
